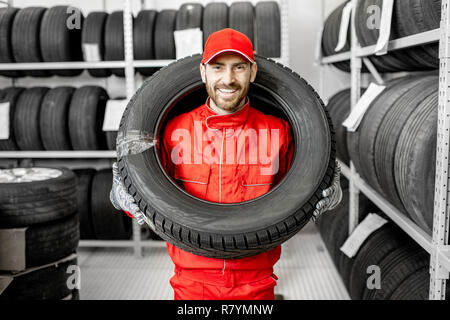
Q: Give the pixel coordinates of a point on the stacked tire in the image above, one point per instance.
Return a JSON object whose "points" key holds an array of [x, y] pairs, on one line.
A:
{"points": [[409, 18], [38, 34], [98, 218], [394, 146], [330, 38], [339, 108], [333, 227], [62, 118], [402, 265], [42, 200]]}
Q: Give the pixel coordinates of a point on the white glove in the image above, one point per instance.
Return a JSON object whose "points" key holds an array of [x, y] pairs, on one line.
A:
{"points": [[331, 196], [121, 199]]}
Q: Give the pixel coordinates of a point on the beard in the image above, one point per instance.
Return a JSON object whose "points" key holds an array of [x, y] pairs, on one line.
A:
{"points": [[231, 104]]}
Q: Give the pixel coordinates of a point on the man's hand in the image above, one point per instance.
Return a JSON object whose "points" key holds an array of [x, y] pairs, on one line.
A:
{"points": [[120, 198], [331, 196]]}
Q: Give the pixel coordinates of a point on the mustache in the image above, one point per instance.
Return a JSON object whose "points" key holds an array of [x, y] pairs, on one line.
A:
{"points": [[227, 88]]}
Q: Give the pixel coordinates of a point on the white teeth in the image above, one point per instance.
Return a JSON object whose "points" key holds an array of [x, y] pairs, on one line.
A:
{"points": [[227, 91]]}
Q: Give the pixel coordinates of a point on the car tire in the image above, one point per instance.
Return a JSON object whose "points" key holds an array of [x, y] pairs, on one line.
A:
{"points": [[236, 231]]}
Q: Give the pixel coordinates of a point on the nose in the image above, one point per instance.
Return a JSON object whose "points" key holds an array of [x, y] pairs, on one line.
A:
{"points": [[228, 77]]}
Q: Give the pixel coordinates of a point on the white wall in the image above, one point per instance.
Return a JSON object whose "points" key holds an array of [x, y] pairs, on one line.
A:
{"points": [[305, 20]]}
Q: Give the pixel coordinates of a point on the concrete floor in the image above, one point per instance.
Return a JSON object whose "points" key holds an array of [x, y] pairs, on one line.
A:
{"points": [[305, 272]]}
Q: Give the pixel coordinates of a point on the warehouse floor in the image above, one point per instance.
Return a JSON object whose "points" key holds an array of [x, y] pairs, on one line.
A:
{"points": [[305, 271]]}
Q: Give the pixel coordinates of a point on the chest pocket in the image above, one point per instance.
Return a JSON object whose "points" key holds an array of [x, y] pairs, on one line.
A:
{"points": [[193, 178], [253, 183]]}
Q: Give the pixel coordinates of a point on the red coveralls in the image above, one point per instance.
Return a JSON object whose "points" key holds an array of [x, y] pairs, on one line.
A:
{"points": [[222, 176]]}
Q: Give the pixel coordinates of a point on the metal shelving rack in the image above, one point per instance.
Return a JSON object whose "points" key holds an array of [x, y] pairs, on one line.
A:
{"points": [[129, 64], [436, 245]]}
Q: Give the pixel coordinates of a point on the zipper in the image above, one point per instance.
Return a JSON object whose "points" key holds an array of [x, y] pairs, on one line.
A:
{"points": [[220, 184], [223, 270], [220, 167]]}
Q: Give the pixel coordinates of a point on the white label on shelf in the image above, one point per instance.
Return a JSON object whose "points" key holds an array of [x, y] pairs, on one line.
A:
{"points": [[357, 114], [343, 30], [4, 121], [91, 52], [370, 224], [385, 27], [113, 114], [188, 42]]}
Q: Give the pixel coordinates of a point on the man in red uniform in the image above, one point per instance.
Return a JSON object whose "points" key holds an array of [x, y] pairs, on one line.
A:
{"points": [[225, 151]]}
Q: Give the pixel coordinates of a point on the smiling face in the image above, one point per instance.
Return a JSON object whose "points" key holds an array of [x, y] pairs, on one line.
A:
{"points": [[227, 78]]}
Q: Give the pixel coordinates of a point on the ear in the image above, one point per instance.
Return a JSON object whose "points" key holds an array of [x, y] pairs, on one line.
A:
{"points": [[253, 72], [203, 72]]}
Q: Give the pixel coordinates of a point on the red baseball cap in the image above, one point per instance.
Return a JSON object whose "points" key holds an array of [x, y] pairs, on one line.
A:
{"points": [[227, 40]]}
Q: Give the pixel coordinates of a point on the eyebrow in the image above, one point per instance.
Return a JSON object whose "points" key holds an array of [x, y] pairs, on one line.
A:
{"points": [[222, 64]]}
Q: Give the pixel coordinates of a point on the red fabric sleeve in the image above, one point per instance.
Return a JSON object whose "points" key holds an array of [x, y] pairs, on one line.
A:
{"points": [[286, 153]]}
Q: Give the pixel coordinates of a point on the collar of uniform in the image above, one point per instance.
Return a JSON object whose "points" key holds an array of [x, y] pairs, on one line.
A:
{"points": [[216, 121]]}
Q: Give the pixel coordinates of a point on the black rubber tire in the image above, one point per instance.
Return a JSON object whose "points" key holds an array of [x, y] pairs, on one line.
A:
{"points": [[6, 53], [94, 33], [334, 232], [397, 267], [189, 16], [84, 179], [363, 152], [58, 42], [242, 18], [44, 284], [86, 113], [399, 60], [26, 118], [404, 24], [339, 108], [52, 241], [328, 225], [379, 245], [143, 39], [53, 120], [111, 137], [414, 287], [194, 225], [268, 29], [114, 41], [344, 264], [330, 37], [389, 133], [164, 38], [29, 203], [215, 18], [415, 160], [10, 95], [25, 38], [108, 222]]}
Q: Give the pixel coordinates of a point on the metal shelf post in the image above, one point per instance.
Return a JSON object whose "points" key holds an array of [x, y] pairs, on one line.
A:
{"points": [[438, 274], [356, 65], [130, 89]]}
